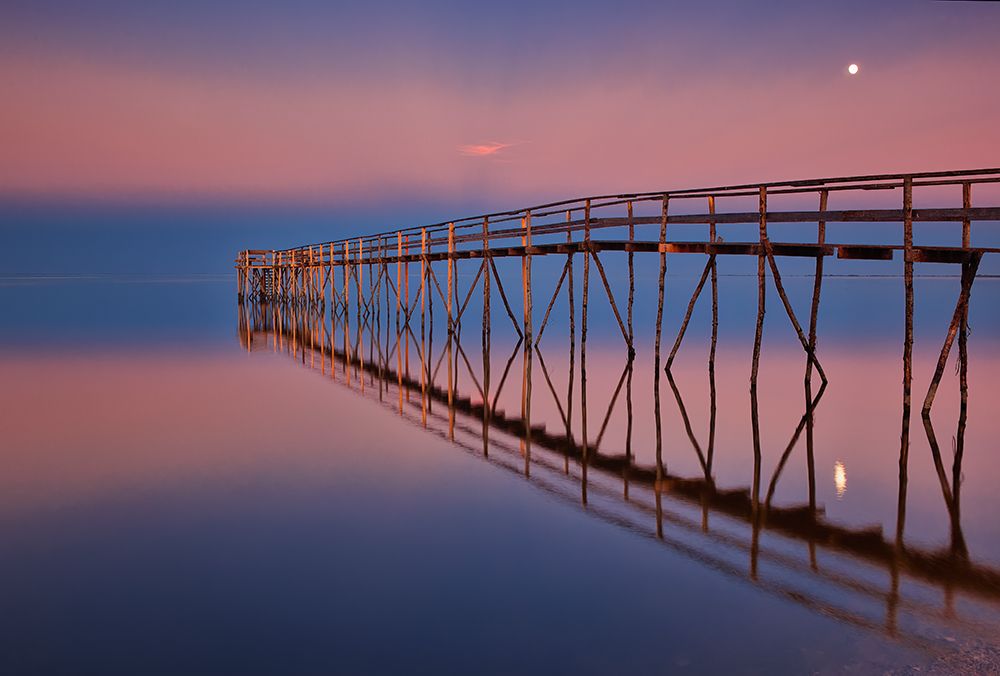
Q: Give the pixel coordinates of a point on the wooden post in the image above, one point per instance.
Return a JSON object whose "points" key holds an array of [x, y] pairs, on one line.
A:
{"points": [[761, 296], [486, 337], [969, 270], [713, 236], [406, 293], [631, 356], [487, 323], [583, 346], [904, 437], [399, 278], [526, 275], [451, 275], [658, 420], [813, 318], [966, 205], [423, 335], [359, 281], [347, 277], [572, 337], [631, 274]]}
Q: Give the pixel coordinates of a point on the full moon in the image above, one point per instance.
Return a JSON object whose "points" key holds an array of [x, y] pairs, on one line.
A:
{"points": [[853, 69]]}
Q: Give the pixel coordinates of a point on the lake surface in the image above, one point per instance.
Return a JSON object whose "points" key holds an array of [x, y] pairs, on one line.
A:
{"points": [[188, 485]]}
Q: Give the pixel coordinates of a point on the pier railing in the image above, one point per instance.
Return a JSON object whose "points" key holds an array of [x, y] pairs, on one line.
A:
{"points": [[443, 240]]}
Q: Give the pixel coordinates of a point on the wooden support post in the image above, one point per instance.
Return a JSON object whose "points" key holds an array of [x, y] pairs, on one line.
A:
{"points": [[486, 339], [813, 318], [451, 275], [423, 336], [526, 276], [572, 339], [359, 280], [658, 420], [961, 312], [487, 320], [761, 258], [758, 336], [713, 237], [631, 283], [347, 277], [406, 293], [334, 298], [399, 278], [904, 437], [631, 356], [583, 346], [966, 223]]}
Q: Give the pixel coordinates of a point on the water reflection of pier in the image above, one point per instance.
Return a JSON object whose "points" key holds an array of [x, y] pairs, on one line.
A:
{"points": [[856, 575]]}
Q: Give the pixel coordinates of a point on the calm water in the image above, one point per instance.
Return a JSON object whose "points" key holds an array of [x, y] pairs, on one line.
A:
{"points": [[191, 488]]}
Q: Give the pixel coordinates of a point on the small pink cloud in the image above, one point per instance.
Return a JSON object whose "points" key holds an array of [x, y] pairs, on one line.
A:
{"points": [[483, 149]]}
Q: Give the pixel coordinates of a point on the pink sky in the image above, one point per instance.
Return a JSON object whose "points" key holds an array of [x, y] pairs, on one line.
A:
{"points": [[78, 122]]}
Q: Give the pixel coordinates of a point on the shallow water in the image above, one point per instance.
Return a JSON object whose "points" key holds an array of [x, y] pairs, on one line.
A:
{"points": [[191, 487]]}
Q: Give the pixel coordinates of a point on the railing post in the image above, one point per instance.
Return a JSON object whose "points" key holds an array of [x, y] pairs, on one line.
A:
{"points": [[399, 277], [347, 276], [966, 223]]}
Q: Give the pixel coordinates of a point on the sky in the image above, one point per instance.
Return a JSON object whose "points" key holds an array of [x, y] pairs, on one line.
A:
{"points": [[404, 111]]}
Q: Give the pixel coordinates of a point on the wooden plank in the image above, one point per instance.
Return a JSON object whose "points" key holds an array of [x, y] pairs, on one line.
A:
{"points": [[941, 254], [867, 252]]}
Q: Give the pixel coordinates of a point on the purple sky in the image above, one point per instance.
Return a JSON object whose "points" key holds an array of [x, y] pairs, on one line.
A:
{"points": [[306, 102]]}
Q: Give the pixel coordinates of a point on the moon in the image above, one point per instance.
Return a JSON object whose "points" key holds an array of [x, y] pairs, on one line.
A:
{"points": [[853, 69]]}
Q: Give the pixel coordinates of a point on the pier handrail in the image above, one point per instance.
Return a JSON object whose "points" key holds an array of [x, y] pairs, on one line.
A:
{"points": [[842, 183]]}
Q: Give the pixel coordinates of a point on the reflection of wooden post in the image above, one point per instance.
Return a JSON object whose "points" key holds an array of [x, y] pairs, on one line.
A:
{"points": [[904, 437], [963, 412], [526, 406], [451, 389]]}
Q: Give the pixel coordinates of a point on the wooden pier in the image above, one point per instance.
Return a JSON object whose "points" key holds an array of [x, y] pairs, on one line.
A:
{"points": [[361, 306], [356, 274]]}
